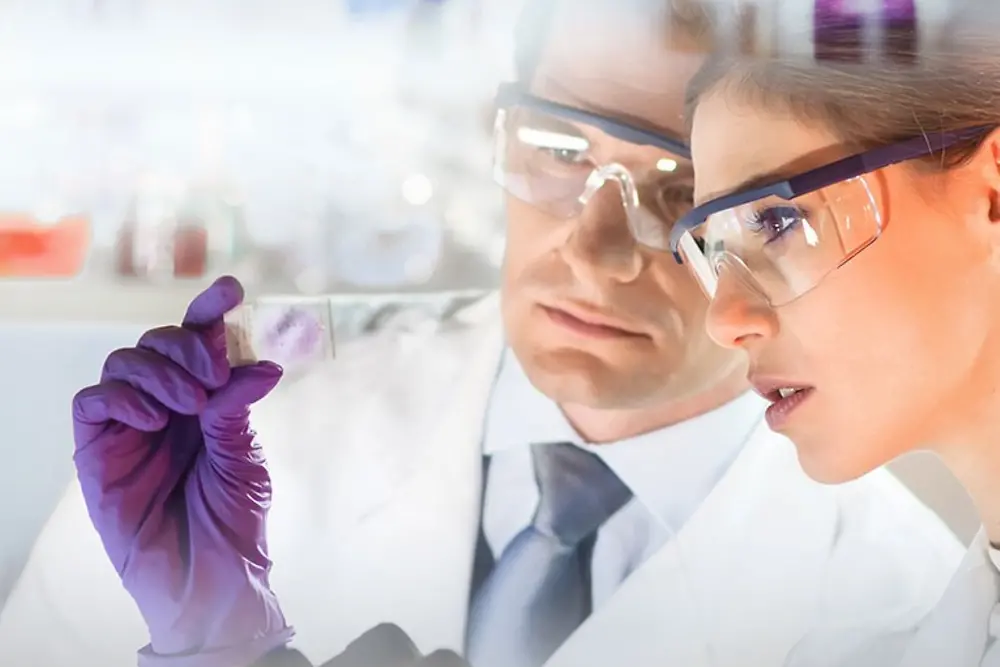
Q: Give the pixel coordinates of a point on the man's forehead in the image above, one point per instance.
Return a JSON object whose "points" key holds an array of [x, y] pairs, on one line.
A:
{"points": [[621, 62]]}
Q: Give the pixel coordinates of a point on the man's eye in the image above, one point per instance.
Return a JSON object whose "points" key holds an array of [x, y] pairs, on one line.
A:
{"points": [[565, 155], [773, 222], [674, 200]]}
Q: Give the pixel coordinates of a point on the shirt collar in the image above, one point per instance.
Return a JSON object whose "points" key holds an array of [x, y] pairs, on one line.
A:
{"points": [[670, 470]]}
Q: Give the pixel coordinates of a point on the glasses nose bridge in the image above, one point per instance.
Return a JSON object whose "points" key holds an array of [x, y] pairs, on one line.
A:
{"points": [[617, 173], [736, 280]]}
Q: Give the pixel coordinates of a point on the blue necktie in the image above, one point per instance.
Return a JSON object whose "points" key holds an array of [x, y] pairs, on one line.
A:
{"points": [[539, 591]]}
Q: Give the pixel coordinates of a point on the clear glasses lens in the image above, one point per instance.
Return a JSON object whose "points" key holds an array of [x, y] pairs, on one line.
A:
{"points": [[784, 248], [553, 164]]}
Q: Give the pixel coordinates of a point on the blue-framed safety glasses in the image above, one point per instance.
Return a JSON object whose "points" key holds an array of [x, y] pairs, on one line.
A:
{"points": [[783, 238], [552, 156]]}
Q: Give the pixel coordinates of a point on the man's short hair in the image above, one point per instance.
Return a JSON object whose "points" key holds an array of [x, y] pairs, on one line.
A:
{"points": [[529, 36], [692, 22]]}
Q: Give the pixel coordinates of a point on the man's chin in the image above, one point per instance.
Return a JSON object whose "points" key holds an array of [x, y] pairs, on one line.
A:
{"points": [[580, 378]]}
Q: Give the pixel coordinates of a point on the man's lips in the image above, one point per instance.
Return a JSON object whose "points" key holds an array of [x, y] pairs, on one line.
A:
{"points": [[590, 322]]}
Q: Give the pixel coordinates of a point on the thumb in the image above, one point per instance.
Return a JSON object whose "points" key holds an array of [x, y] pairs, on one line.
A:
{"points": [[225, 419]]}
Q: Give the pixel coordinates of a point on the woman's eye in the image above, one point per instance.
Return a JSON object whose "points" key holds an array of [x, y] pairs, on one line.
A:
{"points": [[774, 221]]}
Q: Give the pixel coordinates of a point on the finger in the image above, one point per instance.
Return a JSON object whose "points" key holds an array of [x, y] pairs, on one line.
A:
{"points": [[159, 377], [94, 408], [441, 658], [232, 448], [191, 351], [225, 415], [208, 308], [384, 645]]}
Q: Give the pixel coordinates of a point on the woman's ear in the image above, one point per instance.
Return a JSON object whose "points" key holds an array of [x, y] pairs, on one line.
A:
{"points": [[991, 171], [978, 182]]}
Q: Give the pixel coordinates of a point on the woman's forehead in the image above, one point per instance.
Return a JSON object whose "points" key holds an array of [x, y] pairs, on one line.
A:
{"points": [[734, 141]]}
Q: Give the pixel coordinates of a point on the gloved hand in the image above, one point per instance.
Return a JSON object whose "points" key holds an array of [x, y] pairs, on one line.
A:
{"points": [[383, 646], [178, 490]]}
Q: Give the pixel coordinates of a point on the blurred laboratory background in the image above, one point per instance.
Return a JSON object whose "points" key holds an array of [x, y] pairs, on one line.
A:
{"points": [[328, 147], [333, 145]]}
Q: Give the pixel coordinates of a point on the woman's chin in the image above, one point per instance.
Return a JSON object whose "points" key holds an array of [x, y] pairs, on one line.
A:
{"points": [[828, 464]]}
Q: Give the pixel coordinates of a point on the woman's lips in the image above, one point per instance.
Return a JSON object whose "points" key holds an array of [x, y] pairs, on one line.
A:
{"points": [[785, 399]]}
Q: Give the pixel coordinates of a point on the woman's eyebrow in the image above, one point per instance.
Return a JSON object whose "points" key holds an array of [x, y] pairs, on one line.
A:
{"points": [[752, 183]]}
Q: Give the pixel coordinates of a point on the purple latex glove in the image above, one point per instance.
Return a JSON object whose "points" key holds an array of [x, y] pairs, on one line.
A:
{"points": [[178, 488]]}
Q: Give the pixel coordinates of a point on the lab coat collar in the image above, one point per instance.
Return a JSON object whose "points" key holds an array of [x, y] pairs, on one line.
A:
{"points": [[670, 470], [959, 628]]}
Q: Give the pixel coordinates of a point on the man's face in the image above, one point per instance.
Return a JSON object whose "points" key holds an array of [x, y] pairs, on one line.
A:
{"points": [[596, 319]]}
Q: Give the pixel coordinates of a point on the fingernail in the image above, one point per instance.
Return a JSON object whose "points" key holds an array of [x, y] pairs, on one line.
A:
{"points": [[270, 369], [230, 285]]}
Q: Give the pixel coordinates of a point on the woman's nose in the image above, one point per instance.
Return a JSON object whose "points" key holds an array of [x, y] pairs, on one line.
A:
{"points": [[739, 315]]}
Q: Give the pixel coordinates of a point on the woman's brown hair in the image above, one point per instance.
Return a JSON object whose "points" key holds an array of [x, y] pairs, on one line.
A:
{"points": [[871, 96]]}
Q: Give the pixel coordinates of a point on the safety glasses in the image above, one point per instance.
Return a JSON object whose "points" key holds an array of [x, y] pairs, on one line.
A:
{"points": [[545, 155], [783, 238]]}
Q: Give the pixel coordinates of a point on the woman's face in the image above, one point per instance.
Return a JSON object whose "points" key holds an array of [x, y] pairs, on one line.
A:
{"points": [[898, 346]]}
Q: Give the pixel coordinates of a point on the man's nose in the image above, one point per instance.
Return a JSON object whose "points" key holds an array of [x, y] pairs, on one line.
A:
{"points": [[600, 248], [739, 315]]}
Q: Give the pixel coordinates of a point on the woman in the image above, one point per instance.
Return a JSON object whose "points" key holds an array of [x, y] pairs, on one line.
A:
{"points": [[848, 231]]}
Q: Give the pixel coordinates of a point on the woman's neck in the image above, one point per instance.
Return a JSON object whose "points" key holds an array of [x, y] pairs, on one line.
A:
{"points": [[973, 456], [980, 480]]}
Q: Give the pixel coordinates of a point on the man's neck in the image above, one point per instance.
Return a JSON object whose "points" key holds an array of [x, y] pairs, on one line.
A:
{"points": [[600, 426]]}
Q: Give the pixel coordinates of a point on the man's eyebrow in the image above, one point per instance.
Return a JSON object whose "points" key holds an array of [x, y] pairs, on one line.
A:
{"points": [[562, 95]]}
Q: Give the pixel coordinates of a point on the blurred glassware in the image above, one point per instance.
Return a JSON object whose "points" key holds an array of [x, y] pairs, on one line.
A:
{"points": [[146, 242], [30, 248], [173, 231]]}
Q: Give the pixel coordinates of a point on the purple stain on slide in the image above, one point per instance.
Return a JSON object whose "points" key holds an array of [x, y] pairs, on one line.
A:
{"points": [[296, 335]]}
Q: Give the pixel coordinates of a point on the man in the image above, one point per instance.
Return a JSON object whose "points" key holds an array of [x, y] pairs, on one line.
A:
{"points": [[408, 472]]}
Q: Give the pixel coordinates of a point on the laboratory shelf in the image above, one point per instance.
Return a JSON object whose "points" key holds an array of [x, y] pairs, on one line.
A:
{"points": [[101, 302], [89, 301]]}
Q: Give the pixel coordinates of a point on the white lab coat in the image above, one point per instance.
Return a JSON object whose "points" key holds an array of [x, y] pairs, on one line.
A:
{"points": [[961, 631], [376, 462]]}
